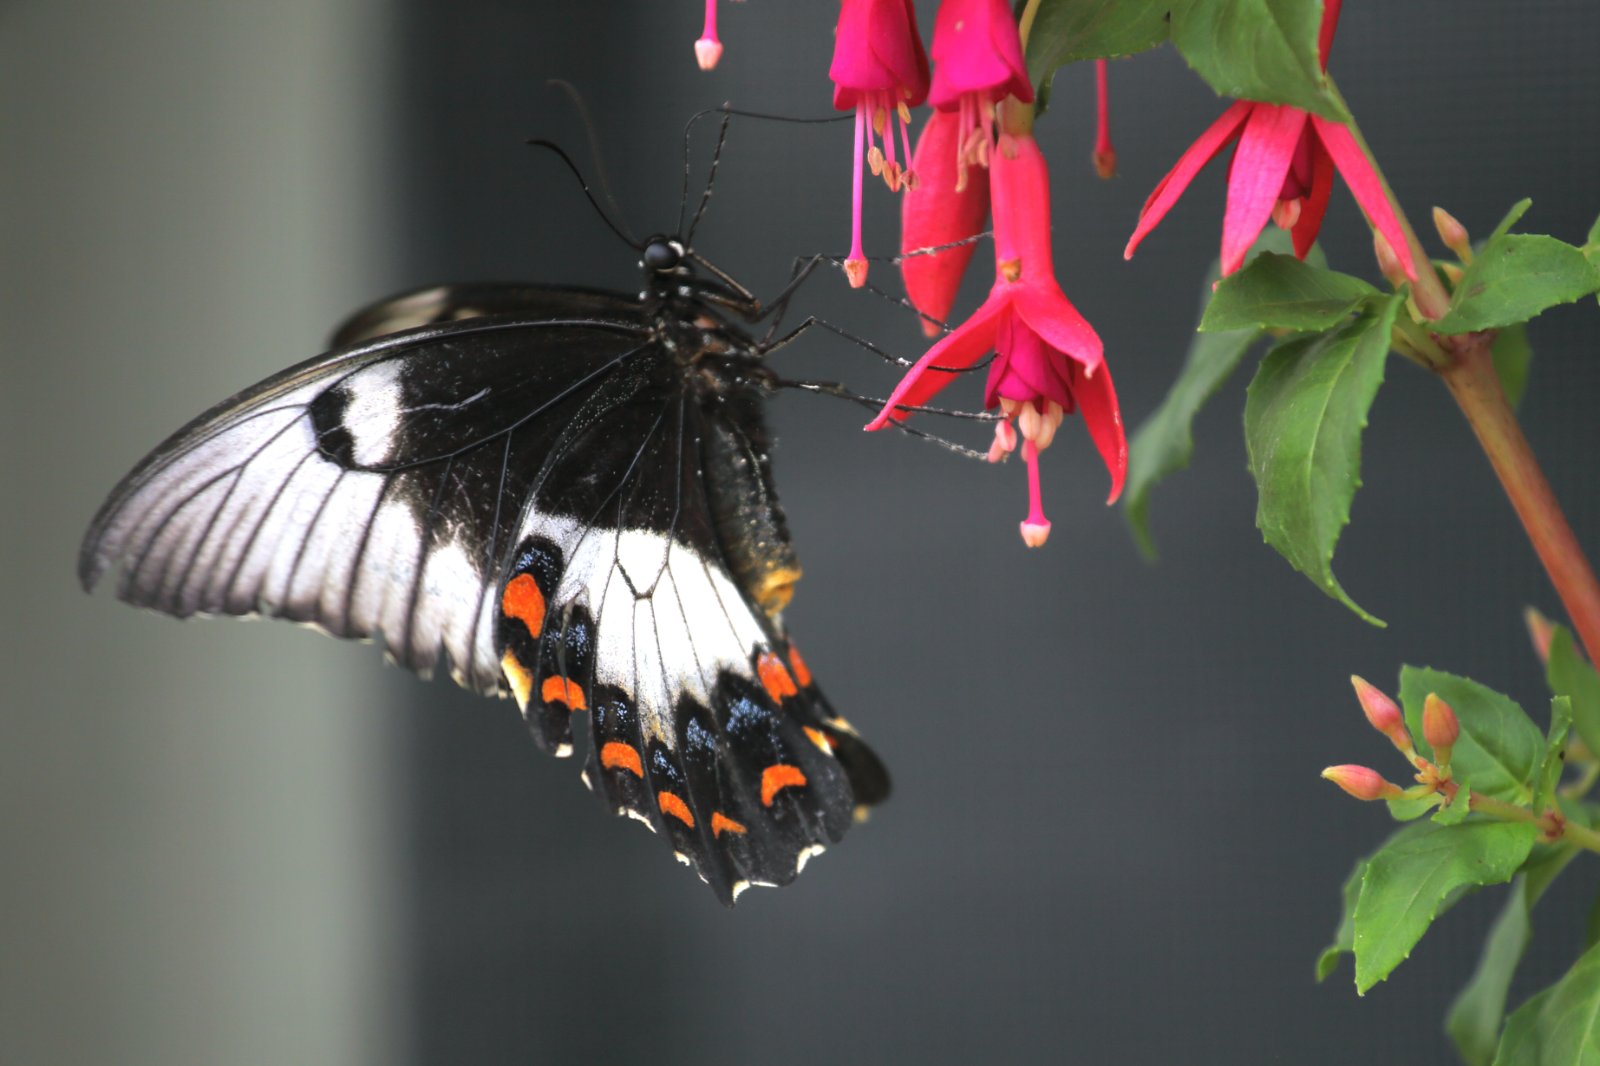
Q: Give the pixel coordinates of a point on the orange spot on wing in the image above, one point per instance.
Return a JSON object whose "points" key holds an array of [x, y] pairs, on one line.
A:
{"points": [[777, 777], [720, 821], [774, 676], [670, 803], [523, 601], [819, 738], [802, 673], [617, 755], [560, 690], [517, 677]]}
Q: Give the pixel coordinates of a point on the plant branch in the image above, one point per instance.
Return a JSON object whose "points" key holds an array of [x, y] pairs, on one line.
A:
{"points": [[1473, 382]]}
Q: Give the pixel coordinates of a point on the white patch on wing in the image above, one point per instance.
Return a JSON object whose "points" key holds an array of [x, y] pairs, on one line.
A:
{"points": [[373, 413], [448, 606], [666, 621], [249, 517]]}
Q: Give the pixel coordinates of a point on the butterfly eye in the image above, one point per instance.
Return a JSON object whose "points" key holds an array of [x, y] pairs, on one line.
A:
{"points": [[662, 254]]}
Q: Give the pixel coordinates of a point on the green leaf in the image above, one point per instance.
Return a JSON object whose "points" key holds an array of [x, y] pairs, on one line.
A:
{"points": [[1568, 674], [1344, 935], [1412, 808], [1257, 50], [1514, 277], [1407, 882], [1067, 31], [1591, 245], [1513, 216], [1303, 418], [1455, 812], [1164, 444], [1555, 754], [1561, 1025], [1280, 291], [1545, 863], [1512, 354], [1479, 1010], [1499, 749]]}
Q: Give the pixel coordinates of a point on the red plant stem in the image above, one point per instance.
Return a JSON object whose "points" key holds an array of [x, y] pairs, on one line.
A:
{"points": [[1473, 382]]}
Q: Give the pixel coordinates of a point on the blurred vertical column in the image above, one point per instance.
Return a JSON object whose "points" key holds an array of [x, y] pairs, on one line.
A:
{"points": [[198, 852]]}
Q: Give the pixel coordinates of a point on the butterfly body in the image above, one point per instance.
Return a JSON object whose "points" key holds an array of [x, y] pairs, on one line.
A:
{"points": [[563, 494]]}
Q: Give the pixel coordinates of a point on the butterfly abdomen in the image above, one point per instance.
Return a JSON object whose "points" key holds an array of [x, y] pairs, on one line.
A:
{"points": [[749, 522]]}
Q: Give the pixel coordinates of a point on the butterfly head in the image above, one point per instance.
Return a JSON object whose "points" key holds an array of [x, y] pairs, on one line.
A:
{"points": [[662, 255]]}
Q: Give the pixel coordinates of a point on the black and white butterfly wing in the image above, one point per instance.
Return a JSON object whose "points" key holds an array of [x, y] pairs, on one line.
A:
{"points": [[525, 496], [370, 492]]}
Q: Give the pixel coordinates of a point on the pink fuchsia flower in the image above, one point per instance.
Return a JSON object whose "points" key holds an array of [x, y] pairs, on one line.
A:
{"points": [[937, 213], [977, 62], [708, 49], [1282, 170], [1049, 361], [879, 69]]}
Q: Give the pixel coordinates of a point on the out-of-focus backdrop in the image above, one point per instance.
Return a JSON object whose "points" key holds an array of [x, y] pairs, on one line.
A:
{"points": [[242, 843]]}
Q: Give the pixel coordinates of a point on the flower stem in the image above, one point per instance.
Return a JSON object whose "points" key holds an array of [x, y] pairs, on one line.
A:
{"points": [[1473, 382], [1571, 832], [1429, 292]]}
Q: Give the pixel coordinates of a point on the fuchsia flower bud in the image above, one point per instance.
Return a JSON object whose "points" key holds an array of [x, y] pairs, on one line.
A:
{"points": [[1453, 234], [1439, 728], [1049, 360], [1383, 715], [938, 212], [1362, 783], [708, 49], [879, 69], [1283, 169], [1541, 631]]}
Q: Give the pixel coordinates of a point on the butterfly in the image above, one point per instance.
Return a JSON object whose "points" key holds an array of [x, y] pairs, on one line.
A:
{"points": [[565, 495]]}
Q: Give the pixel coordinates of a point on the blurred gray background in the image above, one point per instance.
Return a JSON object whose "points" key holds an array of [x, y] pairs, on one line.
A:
{"points": [[241, 843]]}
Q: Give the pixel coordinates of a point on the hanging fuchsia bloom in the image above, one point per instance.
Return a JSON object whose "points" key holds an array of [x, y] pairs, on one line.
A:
{"points": [[879, 69], [1282, 170], [1049, 361], [977, 62], [708, 49], [938, 213]]}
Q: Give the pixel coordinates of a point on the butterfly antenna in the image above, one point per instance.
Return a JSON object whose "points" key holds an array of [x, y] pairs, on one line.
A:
{"points": [[590, 131], [627, 238]]}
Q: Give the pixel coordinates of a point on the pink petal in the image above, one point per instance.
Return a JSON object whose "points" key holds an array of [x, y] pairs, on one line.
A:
{"points": [[976, 49], [1316, 202], [876, 49], [960, 349], [1260, 165], [1366, 186], [1097, 403], [1052, 316], [1190, 163], [933, 213]]}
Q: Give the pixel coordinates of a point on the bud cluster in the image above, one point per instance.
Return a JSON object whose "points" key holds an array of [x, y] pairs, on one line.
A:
{"points": [[1440, 729]]}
